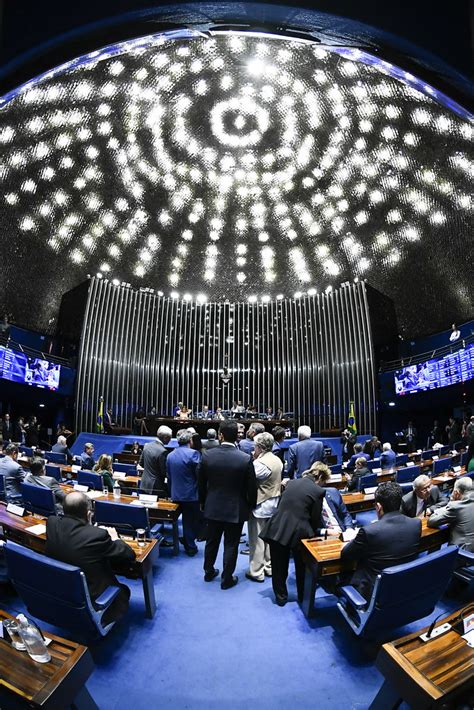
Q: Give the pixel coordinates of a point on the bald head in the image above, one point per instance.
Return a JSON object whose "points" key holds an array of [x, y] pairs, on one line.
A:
{"points": [[77, 505]]}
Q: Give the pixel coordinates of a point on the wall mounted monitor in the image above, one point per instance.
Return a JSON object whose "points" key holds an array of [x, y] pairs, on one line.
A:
{"points": [[438, 372], [35, 371]]}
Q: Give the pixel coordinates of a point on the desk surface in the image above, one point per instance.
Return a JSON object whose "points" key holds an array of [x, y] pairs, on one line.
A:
{"points": [[428, 674], [38, 683]]}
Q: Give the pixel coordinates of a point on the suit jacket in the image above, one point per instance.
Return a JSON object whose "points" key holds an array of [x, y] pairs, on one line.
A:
{"points": [[298, 515], [181, 467], [227, 484], [77, 543], [7, 431], [247, 446], [338, 508], [434, 500], [60, 449], [278, 451], [87, 462], [459, 515], [360, 455], [210, 444], [388, 459], [47, 482], [302, 455], [153, 460], [13, 475], [392, 540]]}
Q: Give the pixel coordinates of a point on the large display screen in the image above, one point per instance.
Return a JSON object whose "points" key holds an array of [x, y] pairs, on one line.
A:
{"points": [[439, 372], [18, 367]]}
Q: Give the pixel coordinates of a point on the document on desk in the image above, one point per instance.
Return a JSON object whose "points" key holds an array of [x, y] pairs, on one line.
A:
{"points": [[36, 529], [144, 504], [94, 494], [469, 637], [349, 534]]}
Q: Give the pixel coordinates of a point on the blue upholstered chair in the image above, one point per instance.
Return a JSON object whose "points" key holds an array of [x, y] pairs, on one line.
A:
{"points": [[56, 457], [54, 472], [2, 487], [37, 499], [463, 458], [57, 593], [401, 594], [129, 468], [374, 464], [401, 459], [368, 481], [465, 567], [93, 480], [336, 468], [444, 450], [408, 474], [442, 465], [426, 455], [126, 518], [26, 451]]}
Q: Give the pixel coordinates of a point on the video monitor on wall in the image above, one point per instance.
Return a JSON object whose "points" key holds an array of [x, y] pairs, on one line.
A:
{"points": [[37, 372], [438, 372]]}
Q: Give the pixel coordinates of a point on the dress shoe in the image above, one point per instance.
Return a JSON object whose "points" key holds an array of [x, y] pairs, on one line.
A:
{"points": [[229, 585], [191, 552], [209, 576], [254, 579], [281, 601], [268, 573], [245, 551]]}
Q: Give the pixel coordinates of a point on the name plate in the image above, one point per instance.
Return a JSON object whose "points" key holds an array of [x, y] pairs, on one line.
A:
{"points": [[144, 498], [16, 509], [456, 469], [410, 463], [435, 458], [75, 469], [335, 478], [119, 476], [370, 491], [377, 470], [81, 488]]}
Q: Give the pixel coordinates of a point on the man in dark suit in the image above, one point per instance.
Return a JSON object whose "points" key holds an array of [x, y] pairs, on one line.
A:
{"points": [[12, 472], [424, 498], [212, 441], [410, 437], [37, 477], [181, 467], [61, 447], [303, 454], [72, 539], [392, 540], [228, 492], [153, 463], [87, 459], [372, 447], [7, 428]]}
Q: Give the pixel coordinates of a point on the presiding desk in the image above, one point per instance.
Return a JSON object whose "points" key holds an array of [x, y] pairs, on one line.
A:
{"points": [[323, 559], [202, 425], [56, 685], [435, 674], [14, 527]]}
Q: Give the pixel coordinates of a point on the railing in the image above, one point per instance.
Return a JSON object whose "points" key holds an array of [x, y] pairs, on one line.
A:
{"points": [[429, 355]]}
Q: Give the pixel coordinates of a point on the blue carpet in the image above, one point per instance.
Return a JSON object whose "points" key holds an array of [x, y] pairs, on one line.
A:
{"points": [[207, 648]]}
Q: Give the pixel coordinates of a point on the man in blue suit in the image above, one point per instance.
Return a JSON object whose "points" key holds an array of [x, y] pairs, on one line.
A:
{"points": [[356, 455], [302, 455], [389, 457], [87, 460], [335, 518], [181, 469]]}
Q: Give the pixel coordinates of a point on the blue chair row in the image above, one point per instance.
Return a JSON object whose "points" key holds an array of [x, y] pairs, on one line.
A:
{"points": [[37, 499], [54, 472], [408, 474], [124, 517], [55, 457], [128, 468], [442, 465], [93, 480]]}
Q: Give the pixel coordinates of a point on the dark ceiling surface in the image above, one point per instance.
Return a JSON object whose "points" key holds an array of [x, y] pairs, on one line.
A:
{"points": [[236, 166]]}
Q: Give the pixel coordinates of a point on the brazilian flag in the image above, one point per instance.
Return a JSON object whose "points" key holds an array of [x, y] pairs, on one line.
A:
{"points": [[100, 416], [351, 422]]}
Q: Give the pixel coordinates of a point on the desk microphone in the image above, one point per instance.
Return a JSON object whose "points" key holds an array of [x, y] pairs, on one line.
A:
{"points": [[326, 534]]}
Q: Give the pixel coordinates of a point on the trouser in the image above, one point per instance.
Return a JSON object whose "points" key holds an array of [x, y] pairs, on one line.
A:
{"points": [[259, 555], [191, 520], [119, 606], [231, 532], [280, 557]]}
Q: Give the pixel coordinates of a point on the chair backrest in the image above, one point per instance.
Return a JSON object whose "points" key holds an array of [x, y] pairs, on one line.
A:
{"points": [[408, 474], [123, 516], [56, 457], [401, 459], [93, 480], [37, 499], [444, 450], [410, 591], [26, 450], [129, 468], [442, 465], [53, 591], [336, 468], [463, 458], [54, 472], [2, 487], [375, 463], [368, 481], [425, 455]]}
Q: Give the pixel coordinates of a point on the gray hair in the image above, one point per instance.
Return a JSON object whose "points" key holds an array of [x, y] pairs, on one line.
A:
{"points": [[164, 432], [421, 481], [265, 441], [463, 485], [256, 428], [62, 440], [304, 432], [183, 437], [211, 434], [361, 460], [387, 446]]}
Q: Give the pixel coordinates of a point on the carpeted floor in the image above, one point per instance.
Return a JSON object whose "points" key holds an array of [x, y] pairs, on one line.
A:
{"points": [[207, 648]]}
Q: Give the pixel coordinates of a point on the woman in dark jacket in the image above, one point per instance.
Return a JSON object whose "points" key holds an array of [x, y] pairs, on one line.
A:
{"points": [[298, 516], [104, 468]]}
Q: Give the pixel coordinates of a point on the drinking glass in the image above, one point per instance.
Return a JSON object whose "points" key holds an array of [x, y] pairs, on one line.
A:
{"points": [[141, 541]]}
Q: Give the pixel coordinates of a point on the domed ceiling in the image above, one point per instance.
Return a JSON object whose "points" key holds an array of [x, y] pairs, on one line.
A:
{"points": [[236, 166]]}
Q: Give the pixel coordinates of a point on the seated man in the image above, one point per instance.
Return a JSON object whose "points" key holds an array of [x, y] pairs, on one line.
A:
{"points": [[361, 470], [87, 460], [304, 453], [388, 457], [356, 455], [73, 539], [61, 447], [12, 472], [392, 540], [37, 477], [458, 514], [423, 499], [335, 518]]}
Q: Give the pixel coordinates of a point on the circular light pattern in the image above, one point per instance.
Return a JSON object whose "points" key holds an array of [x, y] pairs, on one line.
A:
{"points": [[236, 165]]}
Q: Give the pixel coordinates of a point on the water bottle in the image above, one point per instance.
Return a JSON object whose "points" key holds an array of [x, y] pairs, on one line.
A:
{"points": [[33, 640], [117, 492]]}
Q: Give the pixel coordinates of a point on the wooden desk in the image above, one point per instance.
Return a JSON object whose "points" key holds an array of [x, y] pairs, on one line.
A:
{"points": [[53, 686], [426, 675], [14, 528], [202, 425], [323, 558]]}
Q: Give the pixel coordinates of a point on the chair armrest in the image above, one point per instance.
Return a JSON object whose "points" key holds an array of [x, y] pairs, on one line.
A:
{"points": [[353, 597], [465, 558], [106, 598]]}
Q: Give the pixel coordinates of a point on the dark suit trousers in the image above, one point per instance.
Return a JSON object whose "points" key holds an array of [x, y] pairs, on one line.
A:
{"points": [[119, 606], [191, 521], [231, 532], [280, 555]]}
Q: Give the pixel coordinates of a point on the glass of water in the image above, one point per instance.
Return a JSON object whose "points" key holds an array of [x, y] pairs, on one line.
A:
{"points": [[141, 539], [105, 491]]}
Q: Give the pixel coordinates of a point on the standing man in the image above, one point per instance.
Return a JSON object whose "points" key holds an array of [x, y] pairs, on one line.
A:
{"points": [[211, 441], [228, 492], [153, 463], [458, 514], [181, 467], [246, 445], [410, 437], [302, 455], [7, 428], [348, 439]]}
